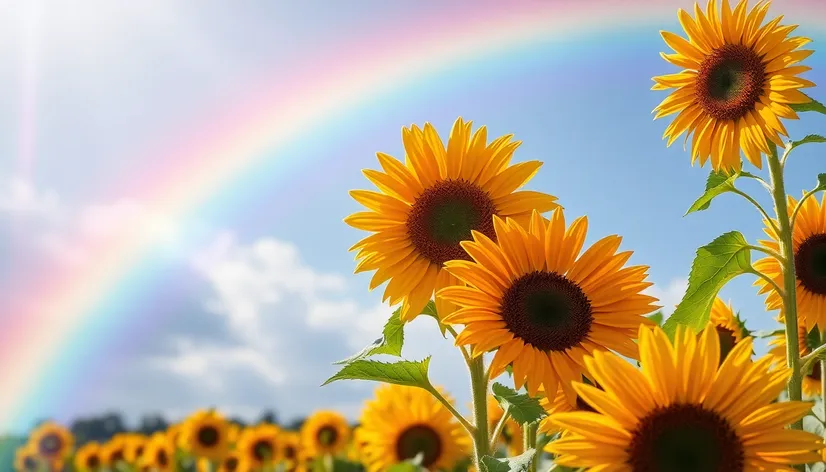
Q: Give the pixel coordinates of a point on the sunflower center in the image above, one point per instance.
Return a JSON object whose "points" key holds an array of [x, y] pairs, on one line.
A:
{"points": [[117, 456], [685, 438], [444, 215], [208, 436], [29, 463], [262, 450], [810, 264], [93, 462], [50, 444], [139, 451], [419, 439], [727, 341], [730, 82], [547, 310], [327, 436], [289, 452], [162, 458], [231, 463]]}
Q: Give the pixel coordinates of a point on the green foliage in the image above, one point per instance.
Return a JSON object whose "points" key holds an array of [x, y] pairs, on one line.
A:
{"points": [[520, 463], [657, 318], [814, 105], [821, 183], [335, 464], [390, 343], [522, 408], [410, 373], [430, 310], [412, 465], [715, 264], [717, 184], [812, 138]]}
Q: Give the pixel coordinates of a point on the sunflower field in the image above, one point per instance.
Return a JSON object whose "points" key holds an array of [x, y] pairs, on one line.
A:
{"points": [[571, 367]]}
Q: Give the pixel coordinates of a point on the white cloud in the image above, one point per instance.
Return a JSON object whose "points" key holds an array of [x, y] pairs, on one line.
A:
{"points": [[19, 196], [670, 295]]}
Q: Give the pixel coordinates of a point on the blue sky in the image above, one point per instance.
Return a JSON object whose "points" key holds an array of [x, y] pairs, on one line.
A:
{"points": [[253, 296]]}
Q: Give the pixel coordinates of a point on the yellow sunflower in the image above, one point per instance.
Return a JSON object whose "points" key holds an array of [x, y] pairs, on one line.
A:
{"points": [[113, 452], [174, 434], [158, 453], [26, 459], [356, 446], [559, 404], [532, 296], [52, 441], [739, 78], [206, 434], [809, 244], [135, 444], [511, 436], [402, 422], [234, 462], [89, 457], [325, 432], [289, 443], [431, 203], [807, 341], [260, 445], [683, 412], [730, 328]]}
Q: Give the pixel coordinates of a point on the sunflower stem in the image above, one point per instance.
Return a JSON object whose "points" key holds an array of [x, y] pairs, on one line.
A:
{"points": [[805, 197], [757, 205], [789, 295], [770, 281], [529, 442], [465, 352], [444, 401], [479, 391], [806, 361], [767, 251], [500, 426]]}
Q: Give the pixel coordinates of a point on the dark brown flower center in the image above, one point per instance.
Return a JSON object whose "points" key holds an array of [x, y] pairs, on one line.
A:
{"points": [[327, 436], [30, 463], [50, 445], [263, 450], [685, 438], [139, 451], [117, 456], [419, 439], [289, 452], [162, 458], [547, 311], [92, 461], [444, 215], [208, 436], [810, 264], [231, 463], [730, 82], [727, 341]]}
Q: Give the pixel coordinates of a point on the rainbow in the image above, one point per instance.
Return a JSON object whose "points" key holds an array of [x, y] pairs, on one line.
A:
{"points": [[36, 343]]}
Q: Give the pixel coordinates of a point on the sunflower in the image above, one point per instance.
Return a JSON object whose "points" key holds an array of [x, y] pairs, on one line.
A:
{"points": [[26, 459], [730, 328], [431, 203], [158, 453], [205, 434], [234, 462], [739, 78], [114, 451], [402, 422], [135, 444], [544, 306], [289, 443], [325, 432], [807, 341], [683, 412], [234, 433], [355, 449], [511, 436], [174, 434], [809, 245], [260, 445], [560, 404], [52, 441], [89, 457]]}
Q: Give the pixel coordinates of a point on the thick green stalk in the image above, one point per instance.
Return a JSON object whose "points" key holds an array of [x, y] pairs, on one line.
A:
{"points": [[529, 430], [479, 390], [789, 279]]}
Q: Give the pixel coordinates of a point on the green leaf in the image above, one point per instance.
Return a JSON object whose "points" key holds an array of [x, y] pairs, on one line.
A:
{"points": [[715, 264], [412, 465], [390, 343], [520, 463], [769, 334], [814, 105], [410, 373], [812, 138], [717, 184], [430, 310], [821, 182], [523, 409], [657, 318]]}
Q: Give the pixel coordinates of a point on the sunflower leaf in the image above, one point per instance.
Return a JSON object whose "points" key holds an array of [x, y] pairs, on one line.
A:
{"points": [[812, 138], [410, 373], [717, 184], [522, 408], [657, 317], [821, 182], [814, 105], [520, 463], [714, 265], [390, 342], [411, 465], [430, 310]]}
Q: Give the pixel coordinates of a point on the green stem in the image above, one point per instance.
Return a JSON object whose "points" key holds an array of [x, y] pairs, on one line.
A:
{"points": [[479, 391], [789, 295], [758, 206], [465, 352], [444, 401], [805, 197], [529, 430], [500, 426]]}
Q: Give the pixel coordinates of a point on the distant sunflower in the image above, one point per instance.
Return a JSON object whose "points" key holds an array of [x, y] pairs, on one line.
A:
{"points": [[206, 434], [402, 422], [809, 245], [431, 203], [683, 412], [807, 341], [325, 432], [158, 454], [289, 444], [511, 436], [89, 457], [26, 459], [135, 444], [260, 445], [730, 327], [542, 305], [113, 451], [559, 404], [739, 78], [355, 451], [234, 433], [52, 441], [174, 434], [234, 462]]}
